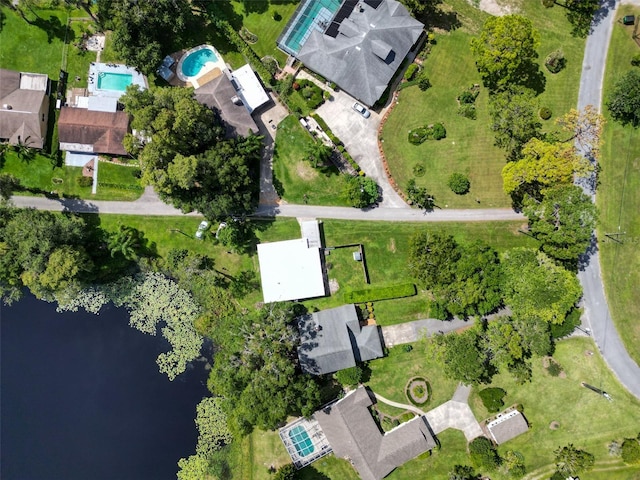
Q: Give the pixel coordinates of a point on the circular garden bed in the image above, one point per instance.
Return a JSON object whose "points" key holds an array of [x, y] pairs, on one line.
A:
{"points": [[418, 391]]}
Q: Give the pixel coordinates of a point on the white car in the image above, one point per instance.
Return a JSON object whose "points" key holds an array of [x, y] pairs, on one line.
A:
{"points": [[361, 110], [201, 229]]}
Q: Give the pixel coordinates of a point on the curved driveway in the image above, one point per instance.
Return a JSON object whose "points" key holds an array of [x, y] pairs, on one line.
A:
{"points": [[595, 302]]}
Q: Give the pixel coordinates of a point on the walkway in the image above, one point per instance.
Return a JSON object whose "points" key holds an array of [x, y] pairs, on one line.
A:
{"points": [[410, 332], [404, 406], [597, 313], [457, 414]]}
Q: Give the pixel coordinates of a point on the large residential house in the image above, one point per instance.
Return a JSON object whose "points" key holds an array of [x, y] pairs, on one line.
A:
{"points": [[24, 108], [360, 48], [86, 131], [332, 340]]}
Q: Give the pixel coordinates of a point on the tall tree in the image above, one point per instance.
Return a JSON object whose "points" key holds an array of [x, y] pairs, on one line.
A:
{"points": [[462, 357], [8, 184], [580, 14], [543, 165], [505, 51], [419, 196], [563, 222], [624, 99], [536, 288], [515, 120], [584, 127], [571, 461], [128, 242]]}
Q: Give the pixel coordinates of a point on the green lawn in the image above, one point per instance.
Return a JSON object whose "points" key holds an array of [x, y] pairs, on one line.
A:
{"points": [[386, 247], [295, 177], [468, 147], [619, 200], [586, 419], [38, 47], [118, 182]]}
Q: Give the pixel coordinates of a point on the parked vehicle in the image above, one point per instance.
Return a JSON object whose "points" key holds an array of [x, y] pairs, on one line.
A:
{"points": [[361, 110]]}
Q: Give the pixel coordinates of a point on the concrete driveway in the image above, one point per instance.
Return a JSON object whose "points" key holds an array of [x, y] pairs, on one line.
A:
{"points": [[360, 137]]}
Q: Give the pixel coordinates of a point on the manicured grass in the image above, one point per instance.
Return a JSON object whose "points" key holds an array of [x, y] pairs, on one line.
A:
{"points": [[118, 182], [618, 200], [386, 247], [468, 147], [259, 21], [586, 419], [38, 47], [295, 177], [390, 375]]}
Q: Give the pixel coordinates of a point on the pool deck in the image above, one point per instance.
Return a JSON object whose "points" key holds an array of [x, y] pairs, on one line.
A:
{"points": [[208, 72], [96, 68]]}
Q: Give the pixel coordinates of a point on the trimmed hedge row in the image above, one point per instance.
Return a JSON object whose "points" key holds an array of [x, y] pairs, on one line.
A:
{"points": [[337, 142], [382, 293], [120, 186]]}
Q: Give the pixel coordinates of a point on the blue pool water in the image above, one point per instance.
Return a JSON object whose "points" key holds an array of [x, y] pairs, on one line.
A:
{"points": [[301, 440], [310, 15], [114, 81], [196, 60]]}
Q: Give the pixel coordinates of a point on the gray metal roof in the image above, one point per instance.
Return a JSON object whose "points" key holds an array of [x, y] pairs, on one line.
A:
{"points": [[369, 47], [354, 434], [333, 340], [24, 108], [508, 426]]}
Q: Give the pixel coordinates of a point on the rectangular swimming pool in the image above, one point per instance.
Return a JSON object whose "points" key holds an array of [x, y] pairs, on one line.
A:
{"points": [[301, 440], [310, 15], [114, 81]]}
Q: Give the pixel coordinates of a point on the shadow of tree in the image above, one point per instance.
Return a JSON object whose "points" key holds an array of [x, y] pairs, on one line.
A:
{"points": [[310, 473], [255, 6], [54, 28], [443, 20], [3, 19]]}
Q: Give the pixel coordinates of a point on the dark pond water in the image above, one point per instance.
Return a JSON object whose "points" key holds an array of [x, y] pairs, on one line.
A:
{"points": [[81, 398]]}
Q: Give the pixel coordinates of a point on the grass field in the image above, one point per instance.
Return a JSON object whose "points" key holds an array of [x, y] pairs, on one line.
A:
{"points": [[468, 147], [295, 177], [386, 247], [619, 200]]}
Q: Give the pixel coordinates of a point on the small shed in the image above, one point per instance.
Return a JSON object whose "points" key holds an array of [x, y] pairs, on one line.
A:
{"points": [[507, 425]]}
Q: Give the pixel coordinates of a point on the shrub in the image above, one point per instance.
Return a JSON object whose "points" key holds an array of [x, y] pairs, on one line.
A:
{"points": [[467, 96], [554, 368], [423, 82], [545, 113], [555, 61], [459, 183], [438, 131], [85, 181], [296, 86], [418, 135], [381, 293], [569, 324], [271, 65], [483, 453], [286, 472], [635, 60], [631, 450], [468, 111], [548, 3], [418, 170], [276, 16], [492, 398], [349, 377], [411, 71]]}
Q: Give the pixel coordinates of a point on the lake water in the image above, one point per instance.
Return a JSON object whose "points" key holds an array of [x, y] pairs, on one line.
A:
{"points": [[81, 398]]}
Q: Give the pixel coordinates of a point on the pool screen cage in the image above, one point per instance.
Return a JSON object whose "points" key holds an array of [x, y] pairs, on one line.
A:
{"points": [[310, 15], [295, 443]]}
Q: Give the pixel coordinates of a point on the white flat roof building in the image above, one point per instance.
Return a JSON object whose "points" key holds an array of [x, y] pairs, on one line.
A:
{"points": [[249, 88], [290, 270]]}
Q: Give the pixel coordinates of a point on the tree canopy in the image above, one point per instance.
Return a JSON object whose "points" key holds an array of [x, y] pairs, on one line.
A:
{"points": [[624, 100], [542, 165], [563, 221], [571, 461], [183, 155], [505, 51], [462, 357], [255, 371], [536, 288], [515, 120], [144, 31]]}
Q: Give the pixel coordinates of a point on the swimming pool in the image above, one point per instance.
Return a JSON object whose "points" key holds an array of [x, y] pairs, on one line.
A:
{"points": [[117, 82], [301, 440], [194, 61], [310, 15]]}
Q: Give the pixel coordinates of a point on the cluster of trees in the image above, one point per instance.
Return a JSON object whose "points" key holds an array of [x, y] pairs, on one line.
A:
{"points": [[472, 280], [145, 31], [183, 154], [255, 369]]}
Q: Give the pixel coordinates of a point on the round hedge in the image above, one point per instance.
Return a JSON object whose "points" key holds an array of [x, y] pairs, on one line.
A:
{"points": [[418, 391], [418, 135], [418, 170], [459, 183], [545, 113]]}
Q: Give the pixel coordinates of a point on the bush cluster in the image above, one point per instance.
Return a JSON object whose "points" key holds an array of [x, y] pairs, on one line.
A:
{"points": [[336, 141], [349, 377], [459, 183], [382, 293], [85, 181], [555, 61], [418, 170], [483, 454], [420, 134], [492, 398], [631, 450], [635, 60], [424, 83], [468, 111], [411, 71]]}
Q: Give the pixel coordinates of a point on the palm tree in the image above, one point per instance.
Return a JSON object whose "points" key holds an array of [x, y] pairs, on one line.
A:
{"points": [[24, 151], [126, 241]]}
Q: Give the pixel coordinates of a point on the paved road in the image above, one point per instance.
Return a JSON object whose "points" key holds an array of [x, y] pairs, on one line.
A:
{"points": [[595, 303]]}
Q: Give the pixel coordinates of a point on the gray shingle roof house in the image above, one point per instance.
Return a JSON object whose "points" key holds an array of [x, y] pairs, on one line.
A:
{"points": [[354, 434], [507, 426], [331, 340], [24, 107], [363, 46]]}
